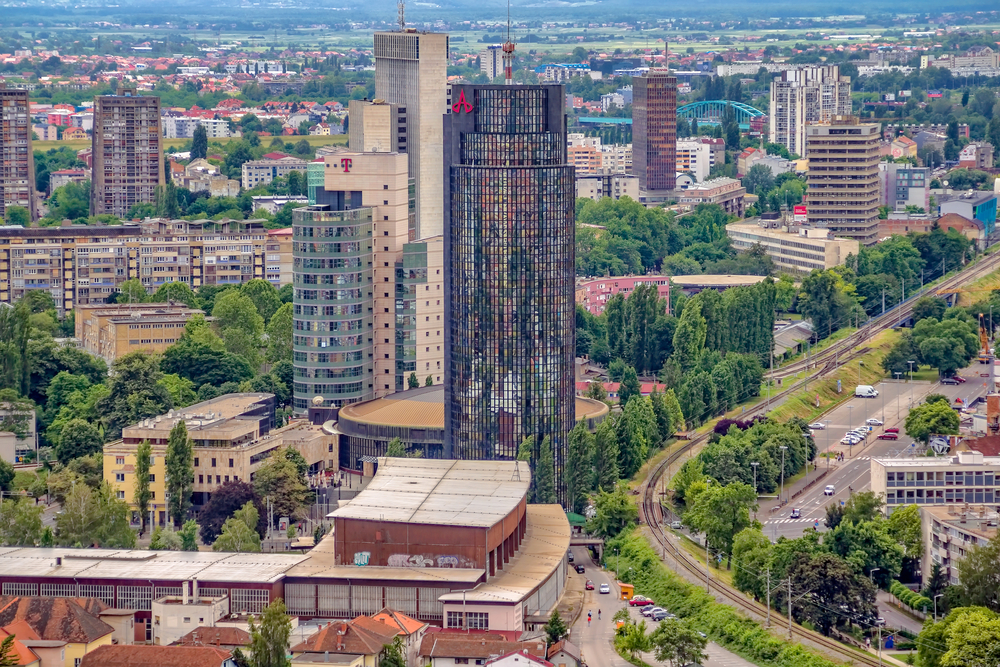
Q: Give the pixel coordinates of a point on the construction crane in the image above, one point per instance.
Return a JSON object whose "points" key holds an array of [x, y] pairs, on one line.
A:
{"points": [[984, 341], [963, 290]]}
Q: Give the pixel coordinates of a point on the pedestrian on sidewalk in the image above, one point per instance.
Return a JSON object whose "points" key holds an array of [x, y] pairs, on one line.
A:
{"points": [[588, 619], [598, 614]]}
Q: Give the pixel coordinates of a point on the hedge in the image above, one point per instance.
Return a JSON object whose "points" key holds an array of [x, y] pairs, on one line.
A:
{"points": [[723, 623], [910, 598]]}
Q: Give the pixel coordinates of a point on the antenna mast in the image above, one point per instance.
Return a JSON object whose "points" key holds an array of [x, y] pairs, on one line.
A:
{"points": [[401, 6], [508, 53]]}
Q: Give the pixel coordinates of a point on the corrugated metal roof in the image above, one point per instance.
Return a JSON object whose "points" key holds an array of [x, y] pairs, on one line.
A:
{"points": [[137, 564], [440, 492]]}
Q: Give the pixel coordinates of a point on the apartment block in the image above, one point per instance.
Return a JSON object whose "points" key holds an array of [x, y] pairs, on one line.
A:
{"points": [[805, 95], [491, 61], [843, 178], [127, 151], [420, 312], [616, 158], [976, 156], [81, 265], [183, 127], [595, 294], [256, 172], [111, 331], [17, 178], [585, 159], [411, 71], [616, 186], [793, 249], [278, 257], [902, 185], [376, 126], [696, 157], [728, 193], [948, 534], [233, 436]]}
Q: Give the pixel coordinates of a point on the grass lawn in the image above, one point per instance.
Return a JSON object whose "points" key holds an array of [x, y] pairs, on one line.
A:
{"points": [[804, 403]]}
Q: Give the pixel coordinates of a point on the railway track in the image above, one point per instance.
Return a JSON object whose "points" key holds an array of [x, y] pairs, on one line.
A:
{"points": [[876, 325]]}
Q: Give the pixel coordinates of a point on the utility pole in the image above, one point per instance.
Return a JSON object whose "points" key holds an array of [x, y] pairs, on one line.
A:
{"points": [[789, 607], [768, 624], [708, 579]]}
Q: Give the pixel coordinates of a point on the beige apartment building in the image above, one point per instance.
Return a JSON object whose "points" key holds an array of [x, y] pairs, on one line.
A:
{"points": [[257, 172], [805, 95], [795, 249], [949, 532], [967, 478], [376, 126], [411, 71], [82, 265], [17, 178], [616, 186], [111, 331], [843, 177], [232, 435]]}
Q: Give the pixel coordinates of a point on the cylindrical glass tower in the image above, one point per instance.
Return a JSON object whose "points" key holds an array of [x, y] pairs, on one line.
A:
{"points": [[331, 343]]}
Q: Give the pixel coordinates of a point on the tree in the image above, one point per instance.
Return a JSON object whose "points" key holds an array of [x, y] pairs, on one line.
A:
{"points": [[758, 180], [866, 545], [189, 535], [579, 469], [203, 365], [556, 628], [929, 306], [394, 654], [77, 438], [904, 527], [94, 517], [931, 418], [831, 586], [199, 142], [545, 491], [753, 553], [269, 636], [979, 574], [239, 532], [235, 310], [935, 585], [395, 448], [223, 503], [141, 494], [632, 639], [822, 301], [677, 643], [596, 391], [606, 454], [689, 337], [629, 386], [174, 291], [973, 640], [721, 512], [614, 512], [164, 539], [180, 472], [279, 478], [8, 652], [637, 433], [279, 335], [18, 215], [20, 522], [134, 393], [412, 382], [131, 291], [263, 295]]}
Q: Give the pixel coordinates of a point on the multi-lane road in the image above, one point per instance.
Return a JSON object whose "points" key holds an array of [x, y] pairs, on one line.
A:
{"points": [[854, 472]]}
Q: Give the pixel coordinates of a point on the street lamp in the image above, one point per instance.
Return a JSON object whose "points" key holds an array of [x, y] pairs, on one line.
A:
{"points": [[782, 448], [898, 374], [911, 369], [850, 425], [871, 574], [935, 605], [618, 561], [755, 464], [880, 622]]}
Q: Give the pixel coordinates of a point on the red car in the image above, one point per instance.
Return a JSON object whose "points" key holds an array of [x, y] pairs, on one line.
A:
{"points": [[889, 436], [639, 601], [589, 585], [892, 430], [963, 380]]}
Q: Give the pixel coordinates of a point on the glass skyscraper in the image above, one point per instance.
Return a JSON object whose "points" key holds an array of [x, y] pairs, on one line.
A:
{"points": [[509, 261]]}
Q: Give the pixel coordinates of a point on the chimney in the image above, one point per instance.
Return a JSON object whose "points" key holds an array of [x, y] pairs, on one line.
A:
{"points": [[326, 656], [184, 591]]}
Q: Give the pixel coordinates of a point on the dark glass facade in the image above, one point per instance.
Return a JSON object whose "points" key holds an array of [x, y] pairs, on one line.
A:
{"points": [[509, 260], [332, 320], [654, 130]]}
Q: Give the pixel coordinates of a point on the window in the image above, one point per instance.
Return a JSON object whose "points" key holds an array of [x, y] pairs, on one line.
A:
{"points": [[120, 460], [213, 463], [152, 477], [152, 495], [119, 477], [196, 462], [461, 661], [187, 619], [230, 463], [76, 662], [201, 479], [478, 620], [455, 619]]}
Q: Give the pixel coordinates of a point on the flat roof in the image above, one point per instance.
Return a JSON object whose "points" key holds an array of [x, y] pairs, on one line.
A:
{"points": [[200, 417], [440, 492], [208, 566], [934, 462], [982, 523], [543, 549], [424, 408], [715, 280]]}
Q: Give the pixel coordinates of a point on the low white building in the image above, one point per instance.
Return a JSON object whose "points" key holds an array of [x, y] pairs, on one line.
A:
{"points": [[949, 532], [616, 186], [797, 249], [182, 127], [176, 615], [967, 478]]}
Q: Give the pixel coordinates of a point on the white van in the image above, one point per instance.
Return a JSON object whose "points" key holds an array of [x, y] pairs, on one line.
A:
{"points": [[865, 391]]}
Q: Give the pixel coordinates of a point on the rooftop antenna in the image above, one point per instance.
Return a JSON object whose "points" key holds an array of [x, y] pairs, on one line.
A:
{"points": [[401, 6], [508, 53]]}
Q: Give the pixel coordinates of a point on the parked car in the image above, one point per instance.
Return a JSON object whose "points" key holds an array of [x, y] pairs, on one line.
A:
{"points": [[872, 421], [889, 436], [580, 569], [962, 380], [605, 589], [829, 490], [817, 426], [676, 525], [851, 439], [892, 430], [640, 601], [589, 585], [949, 381], [661, 615], [796, 513], [569, 556], [648, 611]]}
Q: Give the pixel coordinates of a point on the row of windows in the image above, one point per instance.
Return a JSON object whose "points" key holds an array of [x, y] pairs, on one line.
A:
{"points": [[359, 278], [343, 309], [335, 325], [328, 357], [332, 231], [329, 295], [314, 248], [329, 341], [942, 478], [303, 389], [327, 262], [471, 620], [928, 496]]}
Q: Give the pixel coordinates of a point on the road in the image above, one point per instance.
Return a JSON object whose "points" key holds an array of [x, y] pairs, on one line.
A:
{"points": [[595, 638]]}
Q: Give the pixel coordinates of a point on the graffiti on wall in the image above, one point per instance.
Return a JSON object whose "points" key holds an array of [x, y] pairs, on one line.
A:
{"points": [[361, 558], [406, 560]]}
